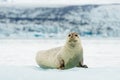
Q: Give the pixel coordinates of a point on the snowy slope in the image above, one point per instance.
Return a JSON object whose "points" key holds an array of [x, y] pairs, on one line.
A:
{"points": [[34, 73], [17, 60], [45, 22], [103, 52]]}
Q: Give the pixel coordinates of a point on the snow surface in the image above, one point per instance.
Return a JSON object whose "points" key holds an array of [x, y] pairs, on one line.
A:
{"points": [[17, 60]]}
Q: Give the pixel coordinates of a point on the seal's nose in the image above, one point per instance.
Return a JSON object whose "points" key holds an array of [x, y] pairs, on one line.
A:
{"points": [[71, 36]]}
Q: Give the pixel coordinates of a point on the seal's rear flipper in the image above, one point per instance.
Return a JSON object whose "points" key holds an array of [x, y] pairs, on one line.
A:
{"points": [[84, 66], [81, 65]]}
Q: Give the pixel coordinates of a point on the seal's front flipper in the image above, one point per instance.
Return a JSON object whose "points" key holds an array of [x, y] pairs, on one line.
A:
{"points": [[62, 65]]}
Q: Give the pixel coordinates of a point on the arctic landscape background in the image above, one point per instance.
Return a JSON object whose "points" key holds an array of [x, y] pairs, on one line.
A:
{"points": [[56, 22], [25, 30]]}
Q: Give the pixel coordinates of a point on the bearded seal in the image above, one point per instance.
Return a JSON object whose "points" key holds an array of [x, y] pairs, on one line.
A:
{"points": [[68, 56]]}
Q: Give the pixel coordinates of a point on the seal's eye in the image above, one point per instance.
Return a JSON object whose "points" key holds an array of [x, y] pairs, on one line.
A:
{"points": [[69, 35], [76, 35]]}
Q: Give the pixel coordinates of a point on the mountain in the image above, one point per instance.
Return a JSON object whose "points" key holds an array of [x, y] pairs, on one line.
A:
{"points": [[56, 22]]}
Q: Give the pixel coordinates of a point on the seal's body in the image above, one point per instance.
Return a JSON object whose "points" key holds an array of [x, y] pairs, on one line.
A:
{"points": [[48, 58], [68, 56]]}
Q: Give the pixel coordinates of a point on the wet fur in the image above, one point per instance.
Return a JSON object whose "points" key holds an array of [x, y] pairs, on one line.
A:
{"points": [[68, 56]]}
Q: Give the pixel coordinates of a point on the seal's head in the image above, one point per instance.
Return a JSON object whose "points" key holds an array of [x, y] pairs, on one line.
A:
{"points": [[73, 39]]}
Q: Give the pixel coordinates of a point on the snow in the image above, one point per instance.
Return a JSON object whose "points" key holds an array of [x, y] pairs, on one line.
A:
{"points": [[33, 73], [17, 60], [47, 22]]}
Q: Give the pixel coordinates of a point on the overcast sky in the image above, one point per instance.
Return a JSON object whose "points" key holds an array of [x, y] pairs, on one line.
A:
{"points": [[61, 1]]}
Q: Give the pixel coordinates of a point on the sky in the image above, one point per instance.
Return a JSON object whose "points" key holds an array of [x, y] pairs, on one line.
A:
{"points": [[53, 3], [60, 1]]}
